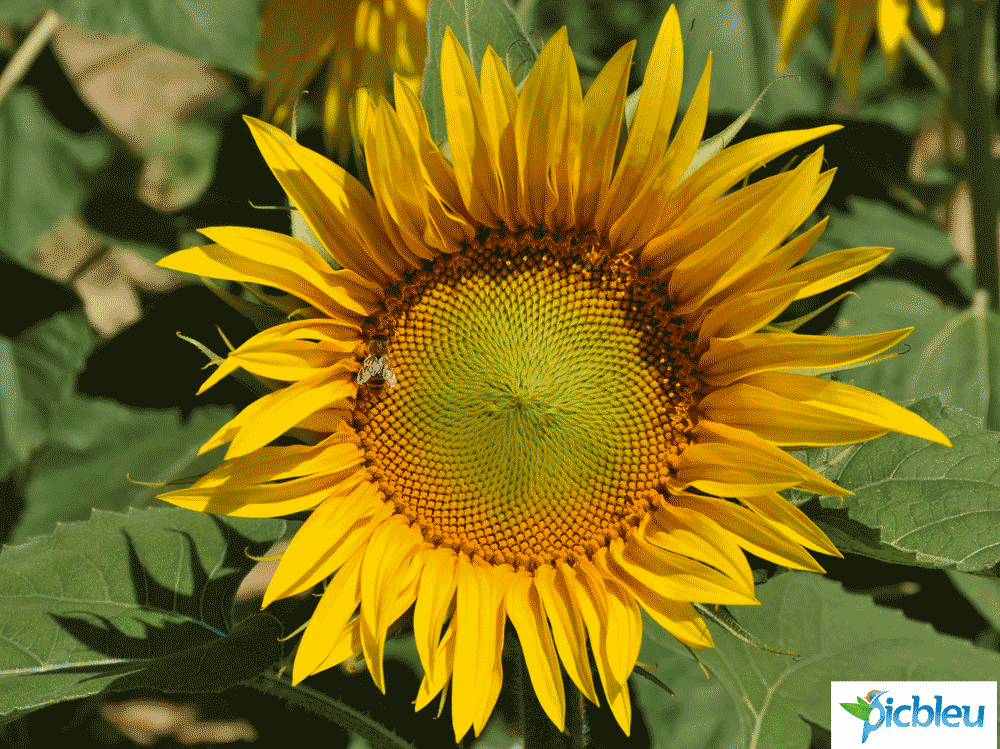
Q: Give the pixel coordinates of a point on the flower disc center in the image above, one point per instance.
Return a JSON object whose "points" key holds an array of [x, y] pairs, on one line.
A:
{"points": [[540, 390]]}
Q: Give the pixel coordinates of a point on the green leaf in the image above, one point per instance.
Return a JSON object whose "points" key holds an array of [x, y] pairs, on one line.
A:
{"points": [[476, 24], [700, 716], [95, 444], [222, 32], [983, 593], [871, 223], [841, 636], [940, 503], [143, 599], [39, 369], [44, 171], [952, 355]]}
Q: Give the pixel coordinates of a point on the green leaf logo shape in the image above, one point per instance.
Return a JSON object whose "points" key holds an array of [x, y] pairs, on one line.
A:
{"points": [[863, 707]]}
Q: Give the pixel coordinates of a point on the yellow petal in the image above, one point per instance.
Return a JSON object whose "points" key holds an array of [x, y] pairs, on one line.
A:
{"points": [[747, 241], [933, 11], [562, 610], [608, 639], [727, 361], [500, 108], [448, 216], [398, 184], [338, 209], [344, 646], [796, 21], [265, 500], [776, 265], [472, 153], [490, 660], [692, 535], [326, 540], [437, 592], [444, 663], [385, 570], [678, 577], [850, 401], [835, 268], [788, 422], [524, 607], [751, 532], [237, 258], [272, 415], [477, 603], [679, 618], [892, 24], [709, 181], [603, 110], [335, 609], [547, 133], [737, 315], [731, 462], [793, 523], [685, 143], [650, 132]]}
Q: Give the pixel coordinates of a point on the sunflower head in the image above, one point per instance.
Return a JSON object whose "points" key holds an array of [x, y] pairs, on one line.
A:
{"points": [[590, 406]]}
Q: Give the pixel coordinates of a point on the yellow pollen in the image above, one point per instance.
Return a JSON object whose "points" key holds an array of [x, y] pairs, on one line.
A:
{"points": [[541, 387]]}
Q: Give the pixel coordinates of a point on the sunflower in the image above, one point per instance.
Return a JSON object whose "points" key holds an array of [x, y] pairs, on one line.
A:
{"points": [[590, 406], [852, 28], [360, 40]]}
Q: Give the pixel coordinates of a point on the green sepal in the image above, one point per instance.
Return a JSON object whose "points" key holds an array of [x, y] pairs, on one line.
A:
{"points": [[257, 387], [724, 618]]}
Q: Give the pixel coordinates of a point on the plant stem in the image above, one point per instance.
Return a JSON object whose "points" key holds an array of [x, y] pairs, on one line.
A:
{"points": [[27, 53], [539, 731], [576, 718], [926, 63], [973, 106]]}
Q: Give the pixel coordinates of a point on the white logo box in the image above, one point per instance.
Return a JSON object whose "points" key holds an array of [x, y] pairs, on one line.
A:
{"points": [[923, 715]]}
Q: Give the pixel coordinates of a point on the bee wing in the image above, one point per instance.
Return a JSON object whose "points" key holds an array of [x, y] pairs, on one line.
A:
{"points": [[387, 373], [369, 368]]}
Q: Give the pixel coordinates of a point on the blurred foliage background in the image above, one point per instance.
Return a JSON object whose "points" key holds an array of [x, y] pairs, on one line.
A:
{"points": [[123, 137]]}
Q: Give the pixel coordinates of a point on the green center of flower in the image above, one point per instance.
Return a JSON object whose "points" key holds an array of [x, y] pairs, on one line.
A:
{"points": [[540, 388]]}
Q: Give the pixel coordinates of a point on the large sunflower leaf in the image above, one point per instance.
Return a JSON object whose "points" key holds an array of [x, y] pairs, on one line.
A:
{"points": [[983, 593], [44, 171], [840, 636], [953, 355], [95, 444], [39, 370], [143, 599], [476, 24], [222, 32], [928, 504]]}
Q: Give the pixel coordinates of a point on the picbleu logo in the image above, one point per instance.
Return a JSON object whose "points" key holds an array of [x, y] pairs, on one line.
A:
{"points": [[887, 716], [938, 715]]}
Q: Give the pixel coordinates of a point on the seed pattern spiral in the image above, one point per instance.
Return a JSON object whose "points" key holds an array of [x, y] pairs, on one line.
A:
{"points": [[541, 387]]}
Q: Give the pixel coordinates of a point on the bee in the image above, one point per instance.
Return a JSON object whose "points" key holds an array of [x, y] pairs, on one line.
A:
{"points": [[376, 369]]}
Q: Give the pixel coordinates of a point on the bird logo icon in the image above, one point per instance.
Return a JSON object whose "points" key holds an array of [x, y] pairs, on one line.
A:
{"points": [[864, 706]]}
